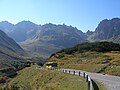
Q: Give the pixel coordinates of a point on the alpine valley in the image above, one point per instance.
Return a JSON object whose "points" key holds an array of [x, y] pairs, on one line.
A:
{"points": [[25, 47], [49, 38]]}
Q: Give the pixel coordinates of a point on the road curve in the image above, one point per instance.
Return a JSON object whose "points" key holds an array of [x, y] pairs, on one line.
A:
{"points": [[111, 82]]}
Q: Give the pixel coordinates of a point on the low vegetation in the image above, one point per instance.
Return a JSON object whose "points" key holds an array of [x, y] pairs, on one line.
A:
{"points": [[7, 73], [100, 57], [92, 46], [32, 78]]}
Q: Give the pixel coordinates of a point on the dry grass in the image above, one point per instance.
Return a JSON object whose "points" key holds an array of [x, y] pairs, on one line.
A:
{"points": [[91, 61], [35, 79]]}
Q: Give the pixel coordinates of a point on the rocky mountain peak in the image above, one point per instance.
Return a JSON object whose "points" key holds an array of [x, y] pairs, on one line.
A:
{"points": [[89, 32], [107, 29]]}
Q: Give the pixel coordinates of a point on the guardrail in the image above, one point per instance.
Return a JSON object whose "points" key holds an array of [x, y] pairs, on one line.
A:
{"points": [[76, 72], [80, 73]]}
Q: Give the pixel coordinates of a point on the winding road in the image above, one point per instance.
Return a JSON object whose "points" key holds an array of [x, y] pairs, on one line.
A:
{"points": [[109, 81]]}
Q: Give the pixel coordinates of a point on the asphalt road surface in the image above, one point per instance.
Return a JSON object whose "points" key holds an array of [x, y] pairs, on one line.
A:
{"points": [[109, 81]]}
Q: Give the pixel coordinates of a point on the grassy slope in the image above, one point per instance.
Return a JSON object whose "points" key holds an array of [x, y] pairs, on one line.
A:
{"points": [[108, 62], [35, 79]]}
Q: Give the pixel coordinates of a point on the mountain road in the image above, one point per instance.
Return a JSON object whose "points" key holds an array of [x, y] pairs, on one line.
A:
{"points": [[109, 81]]}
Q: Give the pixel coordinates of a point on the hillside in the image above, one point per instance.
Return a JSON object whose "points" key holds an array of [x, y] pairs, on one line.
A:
{"points": [[13, 58], [100, 57], [10, 51], [33, 78], [52, 38]]}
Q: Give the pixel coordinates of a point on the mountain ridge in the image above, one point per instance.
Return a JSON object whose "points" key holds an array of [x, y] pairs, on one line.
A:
{"points": [[54, 37], [49, 38]]}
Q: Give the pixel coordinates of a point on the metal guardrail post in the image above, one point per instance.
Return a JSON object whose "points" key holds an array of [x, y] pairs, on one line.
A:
{"points": [[86, 78], [69, 72], [83, 74], [79, 73], [65, 71], [74, 72], [88, 85]]}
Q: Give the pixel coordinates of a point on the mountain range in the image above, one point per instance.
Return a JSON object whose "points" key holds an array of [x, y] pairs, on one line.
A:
{"points": [[52, 38], [43, 39], [49, 38]]}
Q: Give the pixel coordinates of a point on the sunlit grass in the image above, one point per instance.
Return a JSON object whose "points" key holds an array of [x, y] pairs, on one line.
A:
{"points": [[91, 61], [35, 79]]}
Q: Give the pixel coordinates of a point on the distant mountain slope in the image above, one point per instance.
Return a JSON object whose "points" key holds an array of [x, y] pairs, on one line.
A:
{"points": [[21, 31], [52, 38], [47, 38], [10, 51], [6, 26], [115, 39], [107, 29]]}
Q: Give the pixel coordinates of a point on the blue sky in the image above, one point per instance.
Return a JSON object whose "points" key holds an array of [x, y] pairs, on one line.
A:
{"points": [[83, 14]]}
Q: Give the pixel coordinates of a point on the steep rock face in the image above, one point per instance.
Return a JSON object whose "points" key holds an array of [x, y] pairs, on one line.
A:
{"points": [[52, 38], [107, 29], [9, 51], [89, 32], [115, 39], [60, 35]]}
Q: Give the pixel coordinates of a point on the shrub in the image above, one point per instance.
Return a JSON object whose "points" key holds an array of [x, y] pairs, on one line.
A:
{"points": [[94, 46]]}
